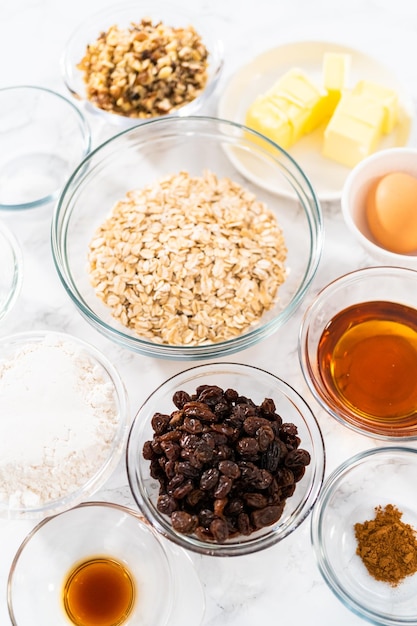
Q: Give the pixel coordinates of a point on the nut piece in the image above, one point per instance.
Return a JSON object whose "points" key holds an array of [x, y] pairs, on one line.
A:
{"points": [[145, 70], [188, 260]]}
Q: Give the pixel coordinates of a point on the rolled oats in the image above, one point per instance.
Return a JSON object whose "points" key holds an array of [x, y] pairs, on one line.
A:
{"points": [[145, 70], [188, 260]]}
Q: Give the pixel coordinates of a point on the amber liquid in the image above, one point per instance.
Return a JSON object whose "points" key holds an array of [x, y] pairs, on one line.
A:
{"points": [[99, 592], [367, 357]]}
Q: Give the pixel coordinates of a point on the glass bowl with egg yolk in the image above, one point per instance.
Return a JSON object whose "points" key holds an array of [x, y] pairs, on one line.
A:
{"points": [[358, 351]]}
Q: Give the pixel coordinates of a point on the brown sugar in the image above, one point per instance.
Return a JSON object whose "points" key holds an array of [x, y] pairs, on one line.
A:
{"points": [[387, 546]]}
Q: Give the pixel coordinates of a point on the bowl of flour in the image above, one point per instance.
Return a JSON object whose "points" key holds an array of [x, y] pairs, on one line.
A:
{"points": [[64, 422]]}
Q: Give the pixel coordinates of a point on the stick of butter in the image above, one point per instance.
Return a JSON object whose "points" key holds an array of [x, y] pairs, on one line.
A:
{"points": [[298, 104]]}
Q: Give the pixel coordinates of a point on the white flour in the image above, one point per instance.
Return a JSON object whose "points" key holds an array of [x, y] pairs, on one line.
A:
{"points": [[58, 419]]}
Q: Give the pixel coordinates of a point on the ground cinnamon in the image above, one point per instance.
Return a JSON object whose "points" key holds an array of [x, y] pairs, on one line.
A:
{"points": [[387, 546]]}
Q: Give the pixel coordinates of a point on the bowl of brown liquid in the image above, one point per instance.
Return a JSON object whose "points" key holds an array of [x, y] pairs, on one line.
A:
{"points": [[358, 351], [99, 564]]}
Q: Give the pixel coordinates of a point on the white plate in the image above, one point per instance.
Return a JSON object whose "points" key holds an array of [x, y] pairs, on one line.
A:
{"points": [[326, 176]]}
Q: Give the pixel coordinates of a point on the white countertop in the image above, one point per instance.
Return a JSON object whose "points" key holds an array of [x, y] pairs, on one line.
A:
{"points": [[281, 585]]}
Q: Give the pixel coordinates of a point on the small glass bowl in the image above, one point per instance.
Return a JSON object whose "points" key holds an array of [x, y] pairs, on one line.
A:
{"points": [[11, 270], [123, 15], [56, 545], [355, 192], [350, 494], [257, 385], [92, 387], [387, 284], [44, 136], [155, 149]]}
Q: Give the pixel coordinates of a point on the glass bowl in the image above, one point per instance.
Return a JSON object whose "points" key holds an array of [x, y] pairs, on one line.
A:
{"points": [[123, 15], [374, 478], [355, 191], [65, 422], [44, 136], [256, 384], [10, 270], [142, 155], [90, 531], [357, 350]]}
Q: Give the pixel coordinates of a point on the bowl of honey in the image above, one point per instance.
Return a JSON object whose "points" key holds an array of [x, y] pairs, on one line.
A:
{"points": [[358, 351], [99, 564]]}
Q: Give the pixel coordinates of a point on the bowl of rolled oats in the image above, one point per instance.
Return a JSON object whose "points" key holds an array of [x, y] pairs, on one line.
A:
{"points": [[225, 459], [167, 250], [133, 62]]}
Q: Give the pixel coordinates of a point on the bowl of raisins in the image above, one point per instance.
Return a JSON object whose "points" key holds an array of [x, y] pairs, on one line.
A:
{"points": [[225, 459]]}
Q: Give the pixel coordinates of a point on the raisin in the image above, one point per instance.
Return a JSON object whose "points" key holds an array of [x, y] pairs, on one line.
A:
{"points": [[199, 410], [183, 522], [243, 524], [219, 530], [183, 490], [211, 395], [166, 504], [266, 516], [297, 457], [265, 436], [159, 423], [247, 447], [192, 425], [148, 451], [230, 469], [255, 500], [209, 479], [223, 487], [180, 398], [171, 450], [267, 407]]}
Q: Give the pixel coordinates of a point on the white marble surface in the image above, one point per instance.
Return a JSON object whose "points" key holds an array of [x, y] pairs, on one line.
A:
{"points": [[282, 584]]}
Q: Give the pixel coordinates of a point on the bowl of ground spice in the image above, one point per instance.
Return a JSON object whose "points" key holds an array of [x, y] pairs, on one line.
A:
{"points": [[364, 533], [131, 62], [225, 459], [167, 250], [64, 422]]}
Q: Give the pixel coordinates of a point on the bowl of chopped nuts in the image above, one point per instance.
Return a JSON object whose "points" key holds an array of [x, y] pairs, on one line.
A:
{"points": [[221, 473], [132, 62], [166, 249]]}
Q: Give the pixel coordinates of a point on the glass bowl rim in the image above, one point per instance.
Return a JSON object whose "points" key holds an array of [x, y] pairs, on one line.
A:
{"points": [[331, 484], [61, 217], [85, 136], [215, 50], [304, 357], [318, 466], [18, 269], [98, 504], [115, 452]]}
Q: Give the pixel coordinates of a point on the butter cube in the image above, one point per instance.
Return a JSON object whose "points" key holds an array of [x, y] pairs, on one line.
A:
{"points": [[387, 98], [354, 129], [336, 67], [268, 120], [335, 74]]}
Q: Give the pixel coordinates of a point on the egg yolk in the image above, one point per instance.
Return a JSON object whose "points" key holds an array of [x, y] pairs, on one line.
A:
{"points": [[391, 211]]}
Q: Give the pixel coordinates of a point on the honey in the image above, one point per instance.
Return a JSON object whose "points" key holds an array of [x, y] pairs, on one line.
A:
{"points": [[367, 358], [99, 592]]}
